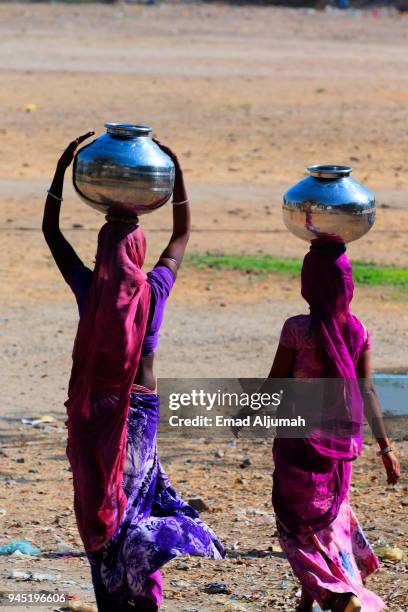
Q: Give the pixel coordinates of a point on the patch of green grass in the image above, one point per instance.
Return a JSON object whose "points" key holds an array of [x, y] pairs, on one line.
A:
{"points": [[364, 273]]}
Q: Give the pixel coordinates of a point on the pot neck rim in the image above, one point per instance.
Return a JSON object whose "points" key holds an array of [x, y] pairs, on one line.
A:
{"points": [[329, 171], [129, 130]]}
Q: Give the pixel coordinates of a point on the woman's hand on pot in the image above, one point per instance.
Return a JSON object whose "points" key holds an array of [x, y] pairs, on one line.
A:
{"points": [[168, 151], [68, 155]]}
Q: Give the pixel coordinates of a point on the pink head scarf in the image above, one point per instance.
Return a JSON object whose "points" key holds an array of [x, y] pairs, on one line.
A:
{"points": [[327, 286], [105, 360]]}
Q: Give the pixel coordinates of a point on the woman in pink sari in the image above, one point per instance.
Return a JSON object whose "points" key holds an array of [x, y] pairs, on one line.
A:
{"points": [[130, 518], [317, 528]]}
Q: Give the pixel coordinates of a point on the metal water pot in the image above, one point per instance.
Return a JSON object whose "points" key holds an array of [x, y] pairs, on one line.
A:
{"points": [[124, 171], [329, 204]]}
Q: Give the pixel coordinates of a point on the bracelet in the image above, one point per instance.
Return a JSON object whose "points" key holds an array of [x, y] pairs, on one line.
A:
{"points": [[180, 203], [384, 451], [60, 199]]}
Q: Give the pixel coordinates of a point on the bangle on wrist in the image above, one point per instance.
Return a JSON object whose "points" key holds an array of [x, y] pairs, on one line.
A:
{"points": [[180, 203], [59, 198], [384, 451]]}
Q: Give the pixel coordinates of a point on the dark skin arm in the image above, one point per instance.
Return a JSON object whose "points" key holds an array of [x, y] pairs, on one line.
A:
{"points": [[173, 254], [374, 418], [283, 362], [282, 367], [64, 255]]}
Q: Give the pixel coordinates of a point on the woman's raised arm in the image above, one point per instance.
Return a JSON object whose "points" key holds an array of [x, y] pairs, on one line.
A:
{"points": [[64, 255], [173, 254]]}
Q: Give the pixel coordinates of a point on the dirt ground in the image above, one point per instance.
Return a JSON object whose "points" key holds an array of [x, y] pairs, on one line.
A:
{"points": [[247, 97]]}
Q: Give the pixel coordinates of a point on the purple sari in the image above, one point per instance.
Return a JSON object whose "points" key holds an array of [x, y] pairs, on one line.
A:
{"points": [[157, 525]]}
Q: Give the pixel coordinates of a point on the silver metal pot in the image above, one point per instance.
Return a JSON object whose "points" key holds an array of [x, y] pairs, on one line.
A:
{"points": [[124, 171], [329, 204]]}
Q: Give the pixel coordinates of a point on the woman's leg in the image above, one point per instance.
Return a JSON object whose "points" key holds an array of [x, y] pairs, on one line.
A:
{"points": [[105, 601], [141, 604], [151, 599], [345, 602], [306, 601], [154, 588]]}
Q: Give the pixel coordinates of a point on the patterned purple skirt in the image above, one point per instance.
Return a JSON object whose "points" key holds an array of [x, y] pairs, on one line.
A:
{"points": [[157, 526]]}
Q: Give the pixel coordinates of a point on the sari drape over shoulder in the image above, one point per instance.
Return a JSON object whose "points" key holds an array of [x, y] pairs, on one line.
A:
{"points": [[105, 360]]}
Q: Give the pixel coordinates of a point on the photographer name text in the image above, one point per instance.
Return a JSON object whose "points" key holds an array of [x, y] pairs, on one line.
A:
{"points": [[264, 421]]}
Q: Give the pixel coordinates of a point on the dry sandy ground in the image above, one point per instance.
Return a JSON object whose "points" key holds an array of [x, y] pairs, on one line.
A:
{"points": [[248, 98], [37, 497]]}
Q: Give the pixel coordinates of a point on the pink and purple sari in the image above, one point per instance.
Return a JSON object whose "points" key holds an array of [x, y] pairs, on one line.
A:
{"points": [[129, 517], [317, 529]]}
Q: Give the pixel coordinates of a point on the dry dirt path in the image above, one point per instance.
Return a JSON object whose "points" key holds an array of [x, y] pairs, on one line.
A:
{"points": [[248, 97]]}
